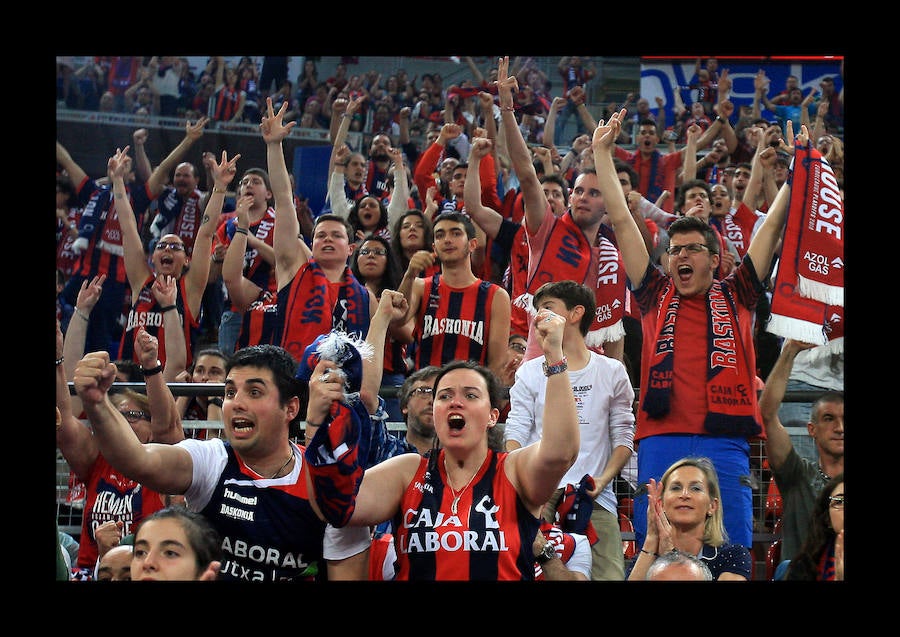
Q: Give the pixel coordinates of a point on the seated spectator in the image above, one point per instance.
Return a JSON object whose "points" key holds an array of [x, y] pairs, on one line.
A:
{"points": [[684, 511]]}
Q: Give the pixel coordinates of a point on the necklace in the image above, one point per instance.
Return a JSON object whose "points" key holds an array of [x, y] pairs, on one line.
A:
{"points": [[286, 462], [457, 495]]}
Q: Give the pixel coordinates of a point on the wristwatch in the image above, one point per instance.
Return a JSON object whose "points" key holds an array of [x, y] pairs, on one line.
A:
{"points": [[556, 368], [547, 553]]}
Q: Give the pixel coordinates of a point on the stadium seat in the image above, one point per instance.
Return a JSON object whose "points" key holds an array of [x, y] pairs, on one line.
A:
{"points": [[629, 547]]}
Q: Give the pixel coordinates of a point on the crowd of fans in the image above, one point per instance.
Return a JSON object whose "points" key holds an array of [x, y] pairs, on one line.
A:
{"points": [[419, 137]]}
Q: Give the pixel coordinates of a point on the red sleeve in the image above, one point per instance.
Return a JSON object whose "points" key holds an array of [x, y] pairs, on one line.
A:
{"points": [[425, 169], [488, 174]]}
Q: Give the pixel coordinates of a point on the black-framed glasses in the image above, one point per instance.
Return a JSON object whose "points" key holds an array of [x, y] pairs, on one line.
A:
{"points": [[693, 248], [133, 415], [175, 246], [836, 502], [378, 252], [421, 391]]}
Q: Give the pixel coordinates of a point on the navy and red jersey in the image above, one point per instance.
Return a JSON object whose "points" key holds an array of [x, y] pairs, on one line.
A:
{"points": [[146, 311], [453, 323], [488, 539], [257, 269], [224, 103], [99, 224], [259, 323]]}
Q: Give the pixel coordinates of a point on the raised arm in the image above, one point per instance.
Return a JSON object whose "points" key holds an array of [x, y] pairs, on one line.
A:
{"points": [[631, 243], [532, 192], [538, 467], [161, 467], [778, 441], [197, 276], [391, 309], [762, 247], [136, 267], [241, 290], [400, 196], [165, 421], [288, 258], [73, 438], [159, 177], [487, 219], [142, 166]]}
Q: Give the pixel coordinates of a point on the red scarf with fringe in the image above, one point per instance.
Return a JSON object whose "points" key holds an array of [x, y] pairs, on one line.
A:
{"points": [[808, 298], [730, 394], [567, 255]]}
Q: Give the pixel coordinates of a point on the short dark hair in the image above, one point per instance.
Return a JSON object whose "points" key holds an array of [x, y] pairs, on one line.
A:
{"points": [[274, 358], [556, 178], [691, 183], [458, 217], [684, 225], [571, 294], [622, 167]]}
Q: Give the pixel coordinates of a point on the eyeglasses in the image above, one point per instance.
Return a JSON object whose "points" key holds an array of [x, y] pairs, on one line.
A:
{"points": [[518, 347], [836, 502], [693, 248], [379, 252], [421, 391], [177, 247], [133, 415]]}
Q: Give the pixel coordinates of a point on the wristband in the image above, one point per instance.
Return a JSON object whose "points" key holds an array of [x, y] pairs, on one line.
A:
{"points": [[165, 309], [239, 230], [82, 314], [216, 400], [152, 371], [508, 108], [649, 553], [60, 360], [556, 368]]}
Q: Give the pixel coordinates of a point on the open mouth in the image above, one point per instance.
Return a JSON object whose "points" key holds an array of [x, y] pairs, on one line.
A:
{"points": [[456, 421]]}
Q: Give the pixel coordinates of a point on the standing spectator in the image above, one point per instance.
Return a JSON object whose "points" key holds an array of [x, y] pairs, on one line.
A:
{"points": [[91, 85], [800, 480], [317, 292], [684, 512], [248, 266], [457, 314], [208, 367], [121, 72], [572, 70], [110, 495], [413, 232], [373, 264], [226, 106], [821, 558], [99, 248], [256, 470], [490, 497], [590, 258], [248, 81], [416, 402], [165, 77], [68, 213], [658, 171], [834, 115], [273, 75], [307, 81], [678, 415], [169, 258], [604, 399]]}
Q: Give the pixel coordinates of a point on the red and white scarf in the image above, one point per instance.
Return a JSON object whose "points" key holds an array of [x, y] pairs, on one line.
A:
{"points": [[808, 299]]}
